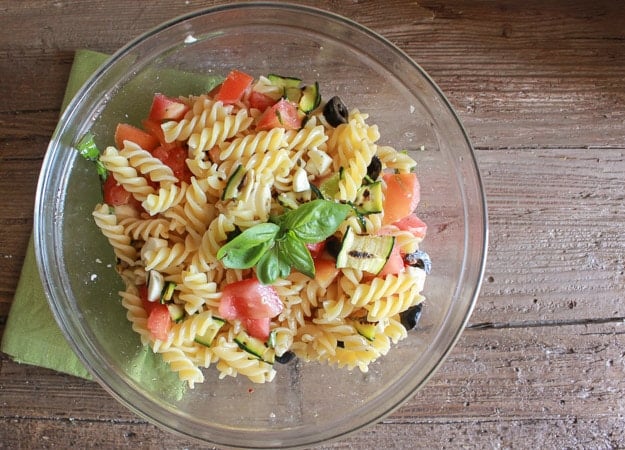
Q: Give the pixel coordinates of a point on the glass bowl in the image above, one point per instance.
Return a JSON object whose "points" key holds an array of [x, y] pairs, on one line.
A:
{"points": [[307, 403]]}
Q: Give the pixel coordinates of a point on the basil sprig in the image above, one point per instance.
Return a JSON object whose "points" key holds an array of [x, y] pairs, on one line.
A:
{"points": [[277, 246], [88, 149]]}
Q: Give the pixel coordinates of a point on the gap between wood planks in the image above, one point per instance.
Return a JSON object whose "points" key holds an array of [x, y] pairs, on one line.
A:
{"points": [[542, 323]]}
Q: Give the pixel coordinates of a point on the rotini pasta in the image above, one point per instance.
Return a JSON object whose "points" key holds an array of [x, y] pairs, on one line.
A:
{"points": [[226, 167]]}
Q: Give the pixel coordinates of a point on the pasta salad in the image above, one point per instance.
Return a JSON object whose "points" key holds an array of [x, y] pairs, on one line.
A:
{"points": [[256, 223]]}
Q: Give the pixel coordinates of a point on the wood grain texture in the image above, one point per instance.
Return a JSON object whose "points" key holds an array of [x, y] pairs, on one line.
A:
{"points": [[540, 88]]}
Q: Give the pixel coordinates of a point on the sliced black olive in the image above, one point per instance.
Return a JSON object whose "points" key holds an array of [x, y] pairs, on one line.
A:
{"points": [[286, 357], [333, 246], [335, 111], [340, 344], [419, 259], [232, 234], [410, 318], [374, 168]]}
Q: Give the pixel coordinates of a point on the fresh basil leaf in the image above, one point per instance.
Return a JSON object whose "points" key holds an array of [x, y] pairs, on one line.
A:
{"points": [[272, 266], [245, 250], [298, 255], [316, 220], [88, 149]]}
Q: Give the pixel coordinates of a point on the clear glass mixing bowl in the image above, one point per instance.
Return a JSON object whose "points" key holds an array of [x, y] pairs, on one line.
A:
{"points": [[306, 403]]}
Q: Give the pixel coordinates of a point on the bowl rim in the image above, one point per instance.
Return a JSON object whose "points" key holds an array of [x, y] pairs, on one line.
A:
{"points": [[45, 266]]}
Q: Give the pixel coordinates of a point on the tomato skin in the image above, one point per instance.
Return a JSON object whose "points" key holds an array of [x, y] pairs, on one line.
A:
{"points": [[176, 159], [251, 302], [258, 328], [413, 224], [394, 263], [325, 271], [127, 132], [115, 194], [260, 101], [153, 127], [401, 196], [167, 108], [284, 114], [159, 320], [233, 87], [316, 249]]}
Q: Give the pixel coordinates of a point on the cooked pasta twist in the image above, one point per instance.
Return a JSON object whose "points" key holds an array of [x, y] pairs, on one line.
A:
{"points": [[165, 198], [146, 164], [106, 220], [221, 130], [204, 113], [124, 174]]}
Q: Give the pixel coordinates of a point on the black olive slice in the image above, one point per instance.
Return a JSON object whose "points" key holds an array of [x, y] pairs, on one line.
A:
{"points": [[335, 111], [419, 259], [333, 246], [374, 168], [286, 357], [410, 317]]}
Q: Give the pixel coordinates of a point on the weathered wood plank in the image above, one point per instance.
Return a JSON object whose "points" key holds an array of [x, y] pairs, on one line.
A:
{"points": [[533, 76], [568, 378]]}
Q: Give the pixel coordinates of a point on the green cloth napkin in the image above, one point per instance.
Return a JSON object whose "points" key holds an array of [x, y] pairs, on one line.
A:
{"points": [[31, 335]]}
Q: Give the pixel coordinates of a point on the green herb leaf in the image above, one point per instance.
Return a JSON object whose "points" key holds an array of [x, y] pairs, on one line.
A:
{"points": [[316, 220], [88, 149], [245, 250], [298, 255], [274, 247], [272, 265]]}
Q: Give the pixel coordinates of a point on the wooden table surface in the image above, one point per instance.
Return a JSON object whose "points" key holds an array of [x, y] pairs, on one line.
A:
{"points": [[540, 86]]}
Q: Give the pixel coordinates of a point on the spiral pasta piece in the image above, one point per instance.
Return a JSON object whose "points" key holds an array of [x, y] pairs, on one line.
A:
{"points": [[124, 174], [164, 199], [221, 130], [146, 164], [114, 232]]}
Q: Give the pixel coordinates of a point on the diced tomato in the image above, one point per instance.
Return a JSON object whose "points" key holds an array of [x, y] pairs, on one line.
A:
{"points": [[233, 87], [260, 101], [283, 114], [249, 299], [316, 249], [258, 328], [176, 159], [154, 128], [143, 294], [126, 132], [115, 194], [394, 263], [167, 108], [325, 271], [159, 321], [401, 196], [412, 224]]}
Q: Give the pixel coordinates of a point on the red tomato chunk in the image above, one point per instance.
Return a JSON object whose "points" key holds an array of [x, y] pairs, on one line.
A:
{"points": [[126, 132], [283, 114], [167, 108], [176, 159], [249, 300], [233, 87], [159, 320], [401, 196]]}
